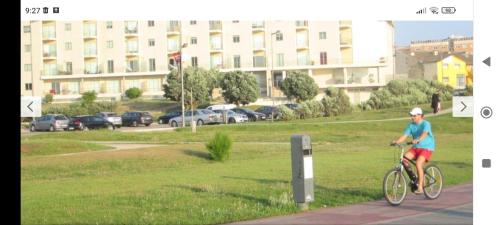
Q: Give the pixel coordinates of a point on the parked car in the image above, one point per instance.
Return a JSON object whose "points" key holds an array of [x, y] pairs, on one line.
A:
{"points": [[232, 117], [50, 122], [111, 117], [222, 107], [201, 117], [75, 123], [297, 109], [165, 118], [252, 115], [268, 110], [136, 118], [91, 122]]}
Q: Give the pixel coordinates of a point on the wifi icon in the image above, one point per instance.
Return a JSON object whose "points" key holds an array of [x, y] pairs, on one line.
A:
{"points": [[422, 11], [434, 10]]}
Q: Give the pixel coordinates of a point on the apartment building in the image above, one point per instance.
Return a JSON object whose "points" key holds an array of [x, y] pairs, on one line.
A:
{"points": [[67, 58], [449, 45]]}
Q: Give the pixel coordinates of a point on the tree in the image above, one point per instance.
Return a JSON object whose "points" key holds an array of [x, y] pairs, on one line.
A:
{"points": [[239, 87], [299, 86], [195, 79], [89, 97], [213, 77]]}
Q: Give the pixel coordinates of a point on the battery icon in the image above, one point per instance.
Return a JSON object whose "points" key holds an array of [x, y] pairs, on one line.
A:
{"points": [[448, 10]]}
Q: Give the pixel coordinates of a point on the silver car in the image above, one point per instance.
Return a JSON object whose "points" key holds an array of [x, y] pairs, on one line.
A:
{"points": [[50, 122], [201, 117], [111, 117], [232, 117]]}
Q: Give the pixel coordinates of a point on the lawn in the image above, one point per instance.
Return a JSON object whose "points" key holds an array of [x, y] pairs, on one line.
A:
{"points": [[178, 184]]}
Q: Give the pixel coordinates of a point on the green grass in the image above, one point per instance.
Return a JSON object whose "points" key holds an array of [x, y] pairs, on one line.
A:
{"points": [[50, 146], [178, 184]]}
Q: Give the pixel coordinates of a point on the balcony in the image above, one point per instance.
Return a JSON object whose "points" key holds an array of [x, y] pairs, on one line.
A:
{"points": [[131, 32], [49, 55], [302, 46], [48, 35], [90, 53], [173, 29], [259, 46], [89, 34], [215, 27], [131, 52], [215, 48], [343, 24], [259, 61], [258, 27], [301, 25]]}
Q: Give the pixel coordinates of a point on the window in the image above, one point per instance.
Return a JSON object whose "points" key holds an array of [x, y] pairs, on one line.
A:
{"points": [[133, 83], [113, 86], [69, 67], [460, 81], [445, 80], [133, 66], [153, 85], [323, 58], [280, 59], [236, 39], [194, 40], [67, 26], [192, 22], [109, 44], [73, 87], [151, 23], [111, 68], [152, 65], [56, 88], [151, 42], [322, 35], [236, 21], [457, 66], [445, 65], [237, 61], [194, 61], [109, 24], [279, 37], [28, 86], [27, 29], [93, 86], [27, 48], [27, 67], [67, 46]]}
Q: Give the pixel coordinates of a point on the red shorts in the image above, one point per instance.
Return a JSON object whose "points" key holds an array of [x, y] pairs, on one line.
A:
{"points": [[421, 152]]}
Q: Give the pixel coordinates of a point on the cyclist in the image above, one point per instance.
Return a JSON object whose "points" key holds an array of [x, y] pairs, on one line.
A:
{"points": [[423, 143]]}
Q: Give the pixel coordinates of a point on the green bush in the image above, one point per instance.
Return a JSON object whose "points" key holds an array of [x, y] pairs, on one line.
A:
{"points": [[49, 98], [286, 113], [132, 93], [80, 108], [407, 93], [336, 102], [469, 90], [220, 147], [312, 109], [89, 97]]}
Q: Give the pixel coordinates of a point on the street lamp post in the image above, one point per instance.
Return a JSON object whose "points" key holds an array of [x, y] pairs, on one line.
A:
{"points": [[272, 73], [180, 72]]}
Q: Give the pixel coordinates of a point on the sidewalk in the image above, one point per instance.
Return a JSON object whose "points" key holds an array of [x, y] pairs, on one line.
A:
{"points": [[454, 206]]}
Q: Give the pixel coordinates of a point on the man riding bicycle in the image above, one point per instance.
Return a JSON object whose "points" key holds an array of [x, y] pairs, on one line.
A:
{"points": [[423, 144]]}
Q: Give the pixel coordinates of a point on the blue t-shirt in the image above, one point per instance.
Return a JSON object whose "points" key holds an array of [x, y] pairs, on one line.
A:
{"points": [[416, 130]]}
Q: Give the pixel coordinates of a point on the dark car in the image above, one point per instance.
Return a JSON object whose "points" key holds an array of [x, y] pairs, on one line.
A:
{"points": [[136, 118], [293, 106], [268, 110], [90, 123], [252, 115], [165, 118]]}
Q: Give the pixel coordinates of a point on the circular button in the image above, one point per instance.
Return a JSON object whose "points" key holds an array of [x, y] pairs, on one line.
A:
{"points": [[486, 112]]}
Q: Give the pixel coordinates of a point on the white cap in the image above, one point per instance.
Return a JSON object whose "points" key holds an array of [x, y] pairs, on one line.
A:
{"points": [[416, 111]]}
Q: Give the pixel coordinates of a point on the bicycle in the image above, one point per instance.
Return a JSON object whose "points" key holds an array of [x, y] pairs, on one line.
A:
{"points": [[395, 180]]}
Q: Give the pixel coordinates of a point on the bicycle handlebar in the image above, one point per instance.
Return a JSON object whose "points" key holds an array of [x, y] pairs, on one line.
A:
{"points": [[402, 144]]}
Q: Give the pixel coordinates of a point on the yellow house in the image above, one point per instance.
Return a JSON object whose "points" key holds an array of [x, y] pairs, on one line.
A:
{"points": [[454, 70]]}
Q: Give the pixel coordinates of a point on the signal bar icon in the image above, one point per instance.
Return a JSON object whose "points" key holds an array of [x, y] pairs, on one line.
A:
{"points": [[422, 11]]}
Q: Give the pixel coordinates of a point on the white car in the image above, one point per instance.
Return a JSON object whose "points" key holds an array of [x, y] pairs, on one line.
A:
{"points": [[222, 107], [111, 117], [233, 117]]}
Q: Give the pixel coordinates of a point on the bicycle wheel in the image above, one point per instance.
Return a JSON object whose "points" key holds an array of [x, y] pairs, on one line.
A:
{"points": [[433, 181], [394, 187]]}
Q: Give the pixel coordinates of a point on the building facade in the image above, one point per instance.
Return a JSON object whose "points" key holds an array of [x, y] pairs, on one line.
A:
{"points": [[67, 58], [449, 45]]}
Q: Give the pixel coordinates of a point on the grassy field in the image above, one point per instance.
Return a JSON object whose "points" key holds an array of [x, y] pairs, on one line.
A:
{"points": [[178, 184]]}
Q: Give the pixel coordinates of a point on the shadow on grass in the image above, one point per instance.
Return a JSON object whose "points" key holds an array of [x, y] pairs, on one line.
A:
{"points": [[454, 164], [198, 154], [322, 192], [262, 201]]}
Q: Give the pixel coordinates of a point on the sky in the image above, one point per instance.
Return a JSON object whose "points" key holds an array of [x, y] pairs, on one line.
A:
{"points": [[407, 31]]}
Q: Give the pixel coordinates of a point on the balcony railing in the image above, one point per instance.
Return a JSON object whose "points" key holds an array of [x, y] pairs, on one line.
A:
{"points": [[301, 23], [215, 25], [90, 32], [259, 61], [258, 25], [130, 30], [345, 23], [49, 34], [50, 54], [90, 52], [173, 28], [345, 41]]}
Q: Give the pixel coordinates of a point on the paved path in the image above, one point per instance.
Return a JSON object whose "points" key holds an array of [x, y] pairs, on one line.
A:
{"points": [[454, 206]]}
